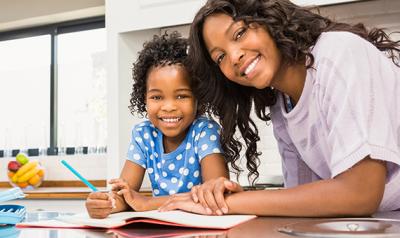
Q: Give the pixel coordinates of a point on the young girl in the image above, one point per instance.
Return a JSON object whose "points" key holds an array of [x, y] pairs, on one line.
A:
{"points": [[332, 90], [176, 146]]}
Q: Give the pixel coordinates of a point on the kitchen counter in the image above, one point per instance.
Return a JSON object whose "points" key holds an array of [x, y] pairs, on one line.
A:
{"points": [[259, 227]]}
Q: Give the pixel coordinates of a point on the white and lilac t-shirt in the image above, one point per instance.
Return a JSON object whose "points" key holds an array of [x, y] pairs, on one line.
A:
{"points": [[179, 170], [349, 108]]}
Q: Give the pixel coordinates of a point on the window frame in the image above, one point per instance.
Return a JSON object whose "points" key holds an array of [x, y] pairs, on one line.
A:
{"points": [[54, 30]]}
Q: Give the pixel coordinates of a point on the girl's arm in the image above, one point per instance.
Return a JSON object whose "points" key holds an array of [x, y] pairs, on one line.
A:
{"points": [[212, 167], [133, 175], [213, 170], [356, 192], [100, 204]]}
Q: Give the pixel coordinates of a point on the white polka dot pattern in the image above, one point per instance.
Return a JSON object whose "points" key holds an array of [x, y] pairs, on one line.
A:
{"points": [[177, 171]]}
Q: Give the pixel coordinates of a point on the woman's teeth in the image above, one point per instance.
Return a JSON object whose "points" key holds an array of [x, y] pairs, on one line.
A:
{"points": [[251, 66]]}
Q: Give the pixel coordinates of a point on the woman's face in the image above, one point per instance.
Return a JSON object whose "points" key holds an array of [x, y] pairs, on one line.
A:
{"points": [[247, 55]]}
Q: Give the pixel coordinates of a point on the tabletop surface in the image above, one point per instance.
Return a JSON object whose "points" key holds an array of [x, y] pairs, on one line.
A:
{"points": [[259, 227]]}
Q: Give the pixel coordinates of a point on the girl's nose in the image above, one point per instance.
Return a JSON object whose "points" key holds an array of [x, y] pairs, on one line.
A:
{"points": [[168, 105]]}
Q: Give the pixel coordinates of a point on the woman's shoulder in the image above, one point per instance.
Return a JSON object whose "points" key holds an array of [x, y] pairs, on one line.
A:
{"points": [[336, 43], [337, 38]]}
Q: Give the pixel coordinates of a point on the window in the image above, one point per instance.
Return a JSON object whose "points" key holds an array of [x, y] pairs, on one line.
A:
{"points": [[53, 89]]}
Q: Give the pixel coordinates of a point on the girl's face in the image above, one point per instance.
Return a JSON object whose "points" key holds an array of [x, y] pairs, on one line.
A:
{"points": [[171, 105], [247, 55]]}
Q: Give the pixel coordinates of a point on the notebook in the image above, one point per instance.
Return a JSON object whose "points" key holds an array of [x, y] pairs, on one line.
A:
{"points": [[170, 218]]}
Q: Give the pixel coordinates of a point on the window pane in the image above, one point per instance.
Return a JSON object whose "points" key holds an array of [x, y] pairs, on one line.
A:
{"points": [[25, 93], [82, 89]]}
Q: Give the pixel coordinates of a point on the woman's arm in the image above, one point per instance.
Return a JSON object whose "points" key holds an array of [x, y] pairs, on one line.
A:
{"points": [[356, 192]]}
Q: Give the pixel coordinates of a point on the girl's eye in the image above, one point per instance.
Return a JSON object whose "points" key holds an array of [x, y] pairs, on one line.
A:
{"points": [[220, 58], [240, 33], [155, 97], [183, 96]]}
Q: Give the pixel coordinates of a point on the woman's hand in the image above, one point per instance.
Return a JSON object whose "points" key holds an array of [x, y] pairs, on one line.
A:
{"points": [[134, 199], [210, 194], [99, 205], [182, 201]]}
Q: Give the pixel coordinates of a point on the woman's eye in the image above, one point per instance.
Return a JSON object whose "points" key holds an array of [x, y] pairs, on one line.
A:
{"points": [[220, 58], [240, 33]]}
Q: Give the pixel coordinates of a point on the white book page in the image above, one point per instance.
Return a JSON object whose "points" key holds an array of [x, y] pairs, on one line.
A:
{"points": [[179, 217]]}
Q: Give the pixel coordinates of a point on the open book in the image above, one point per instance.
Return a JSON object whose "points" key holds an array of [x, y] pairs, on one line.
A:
{"points": [[171, 218]]}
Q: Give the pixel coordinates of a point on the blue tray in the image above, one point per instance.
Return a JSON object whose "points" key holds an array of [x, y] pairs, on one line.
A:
{"points": [[11, 214]]}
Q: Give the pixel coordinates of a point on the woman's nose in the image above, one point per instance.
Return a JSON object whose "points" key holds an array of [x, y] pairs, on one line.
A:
{"points": [[237, 56]]}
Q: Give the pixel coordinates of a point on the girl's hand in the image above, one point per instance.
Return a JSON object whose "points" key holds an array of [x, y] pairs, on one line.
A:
{"points": [[210, 194], [135, 200], [182, 201], [99, 205]]}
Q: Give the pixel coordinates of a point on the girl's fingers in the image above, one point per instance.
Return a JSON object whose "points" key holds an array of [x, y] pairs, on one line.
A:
{"points": [[112, 199], [123, 192], [118, 184], [98, 204], [116, 180], [99, 213]]}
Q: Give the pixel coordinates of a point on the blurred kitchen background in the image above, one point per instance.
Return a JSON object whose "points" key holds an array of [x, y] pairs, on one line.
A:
{"points": [[65, 76]]}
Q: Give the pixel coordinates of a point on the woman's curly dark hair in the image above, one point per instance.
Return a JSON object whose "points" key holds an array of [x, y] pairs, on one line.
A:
{"points": [[295, 30], [168, 49]]}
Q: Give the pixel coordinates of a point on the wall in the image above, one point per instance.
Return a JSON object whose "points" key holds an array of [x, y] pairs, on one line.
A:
{"points": [[28, 13]]}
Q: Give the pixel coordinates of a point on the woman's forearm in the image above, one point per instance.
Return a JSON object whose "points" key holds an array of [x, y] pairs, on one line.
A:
{"points": [[351, 193], [319, 199]]}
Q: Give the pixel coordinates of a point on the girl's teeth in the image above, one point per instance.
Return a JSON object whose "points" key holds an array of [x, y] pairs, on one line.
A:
{"points": [[170, 119], [251, 66]]}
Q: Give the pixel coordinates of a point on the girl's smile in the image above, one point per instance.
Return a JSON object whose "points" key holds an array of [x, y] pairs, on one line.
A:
{"points": [[171, 106]]}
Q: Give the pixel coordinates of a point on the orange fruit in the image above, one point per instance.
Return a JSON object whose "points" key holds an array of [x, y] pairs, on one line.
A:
{"points": [[23, 184], [40, 173], [10, 174], [34, 180]]}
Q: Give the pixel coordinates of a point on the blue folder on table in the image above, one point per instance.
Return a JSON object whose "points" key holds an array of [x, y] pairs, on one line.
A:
{"points": [[11, 214]]}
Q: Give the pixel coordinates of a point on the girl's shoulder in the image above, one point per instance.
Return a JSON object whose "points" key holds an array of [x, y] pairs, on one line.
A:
{"points": [[205, 122], [142, 127]]}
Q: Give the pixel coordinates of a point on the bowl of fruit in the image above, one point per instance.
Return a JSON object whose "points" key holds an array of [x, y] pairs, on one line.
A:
{"points": [[24, 172]]}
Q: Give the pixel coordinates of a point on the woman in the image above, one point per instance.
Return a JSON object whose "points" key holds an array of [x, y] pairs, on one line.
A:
{"points": [[332, 93]]}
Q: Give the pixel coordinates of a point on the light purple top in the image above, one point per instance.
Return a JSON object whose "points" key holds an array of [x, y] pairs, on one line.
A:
{"points": [[349, 109]]}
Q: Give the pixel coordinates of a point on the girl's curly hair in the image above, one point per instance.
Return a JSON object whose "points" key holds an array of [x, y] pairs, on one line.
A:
{"points": [[295, 30], [167, 49]]}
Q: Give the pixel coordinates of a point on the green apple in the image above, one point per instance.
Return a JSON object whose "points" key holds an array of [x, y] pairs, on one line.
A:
{"points": [[22, 158]]}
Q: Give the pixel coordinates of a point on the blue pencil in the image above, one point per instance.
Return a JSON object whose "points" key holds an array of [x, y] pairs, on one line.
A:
{"points": [[93, 188]]}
